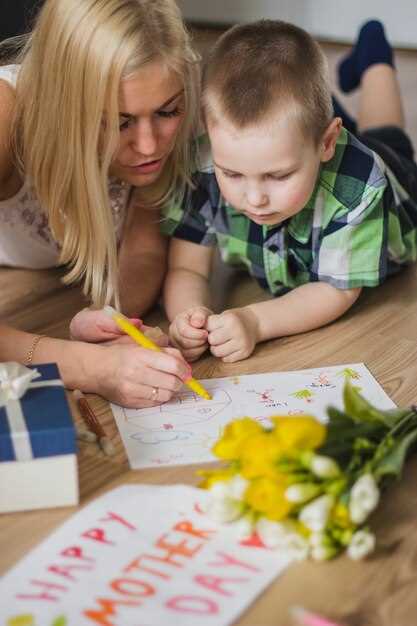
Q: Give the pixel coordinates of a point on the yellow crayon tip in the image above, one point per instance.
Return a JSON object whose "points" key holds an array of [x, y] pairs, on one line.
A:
{"points": [[144, 341], [193, 384]]}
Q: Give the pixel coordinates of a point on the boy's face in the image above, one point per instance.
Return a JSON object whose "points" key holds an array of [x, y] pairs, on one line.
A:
{"points": [[268, 171]]}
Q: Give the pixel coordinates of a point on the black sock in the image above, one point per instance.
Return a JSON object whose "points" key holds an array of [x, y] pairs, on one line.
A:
{"points": [[371, 47]]}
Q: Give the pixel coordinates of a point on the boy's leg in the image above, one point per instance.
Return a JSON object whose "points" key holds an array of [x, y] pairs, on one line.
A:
{"points": [[371, 64], [380, 99]]}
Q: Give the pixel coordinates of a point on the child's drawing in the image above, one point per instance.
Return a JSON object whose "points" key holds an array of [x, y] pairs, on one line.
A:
{"points": [[184, 430]]}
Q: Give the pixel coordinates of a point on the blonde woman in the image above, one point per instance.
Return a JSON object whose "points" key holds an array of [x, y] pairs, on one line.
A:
{"points": [[96, 118]]}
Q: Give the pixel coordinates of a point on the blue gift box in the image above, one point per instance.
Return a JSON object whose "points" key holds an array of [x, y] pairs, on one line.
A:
{"points": [[47, 419], [38, 463]]}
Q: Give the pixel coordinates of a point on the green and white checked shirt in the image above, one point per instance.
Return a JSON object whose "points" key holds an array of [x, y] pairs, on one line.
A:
{"points": [[358, 227]]}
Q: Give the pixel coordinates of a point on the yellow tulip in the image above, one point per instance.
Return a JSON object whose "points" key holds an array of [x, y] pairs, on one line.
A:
{"points": [[215, 475], [298, 432], [260, 455], [235, 435], [267, 496]]}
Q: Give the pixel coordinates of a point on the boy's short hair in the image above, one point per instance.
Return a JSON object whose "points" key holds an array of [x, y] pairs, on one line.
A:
{"points": [[254, 68]]}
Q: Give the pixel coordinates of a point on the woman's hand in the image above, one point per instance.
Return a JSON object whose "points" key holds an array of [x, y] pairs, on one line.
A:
{"points": [[135, 377]]}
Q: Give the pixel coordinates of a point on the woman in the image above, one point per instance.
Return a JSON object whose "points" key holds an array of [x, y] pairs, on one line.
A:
{"points": [[95, 127]]}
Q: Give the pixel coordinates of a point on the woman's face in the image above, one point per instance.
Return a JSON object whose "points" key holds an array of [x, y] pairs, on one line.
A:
{"points": [[151, 109]]}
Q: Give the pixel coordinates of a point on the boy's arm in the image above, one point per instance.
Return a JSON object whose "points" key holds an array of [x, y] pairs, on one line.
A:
{"points": [[234, 334], [302, 309], [186, 284], [142, 260]]}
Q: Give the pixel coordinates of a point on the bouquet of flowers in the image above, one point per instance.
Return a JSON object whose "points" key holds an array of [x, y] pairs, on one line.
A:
{"points": [[309, 487]]}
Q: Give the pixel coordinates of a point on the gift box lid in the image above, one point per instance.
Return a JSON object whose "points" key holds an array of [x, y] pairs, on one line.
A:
{"points": [[44, 425]]}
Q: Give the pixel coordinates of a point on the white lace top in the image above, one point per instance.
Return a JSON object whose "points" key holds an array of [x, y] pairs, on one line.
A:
{"points": [[25, 237]]}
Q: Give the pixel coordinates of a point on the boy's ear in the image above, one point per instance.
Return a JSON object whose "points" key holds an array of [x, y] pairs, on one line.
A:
{"points": [[329, 139]]}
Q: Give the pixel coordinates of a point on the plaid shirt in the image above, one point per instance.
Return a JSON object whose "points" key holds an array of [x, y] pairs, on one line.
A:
{"points": [[358, 227]]}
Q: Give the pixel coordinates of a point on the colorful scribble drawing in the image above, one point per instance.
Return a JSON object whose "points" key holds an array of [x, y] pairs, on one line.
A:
{"points": [[267, 400], [322, 381], [184, 430], [303, 394], [186, 409]]}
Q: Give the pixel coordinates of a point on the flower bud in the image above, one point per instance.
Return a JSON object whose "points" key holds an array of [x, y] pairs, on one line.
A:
{"points": [[316, 514], [237, 487], [283, 535], [224, 509], [323, 552], [324, 466], [302, 492], [271, 533], [364, 498], [243, 527], [361, 544]]}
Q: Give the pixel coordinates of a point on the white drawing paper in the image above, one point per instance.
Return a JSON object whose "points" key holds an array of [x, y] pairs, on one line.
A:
{"points": [[139, 556], [183, 430]]}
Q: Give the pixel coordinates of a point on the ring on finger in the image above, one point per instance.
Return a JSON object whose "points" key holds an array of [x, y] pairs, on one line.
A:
{"points": [[154, 394]]}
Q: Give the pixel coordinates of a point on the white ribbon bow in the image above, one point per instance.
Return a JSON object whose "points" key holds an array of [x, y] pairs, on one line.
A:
{"points": [[15, 380]]}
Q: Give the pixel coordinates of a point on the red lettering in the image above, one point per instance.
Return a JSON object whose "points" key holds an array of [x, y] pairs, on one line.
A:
{"points": [[230, 560], [117, 518], [75, 552], [44, 595], [108, 610], [65, 570], [97, 534], [193, 604], [214, 583], [188, 528], [142, 588], [137, 565], [179, 549]]}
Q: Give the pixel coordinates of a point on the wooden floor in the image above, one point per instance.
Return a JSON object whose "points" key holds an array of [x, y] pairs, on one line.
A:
{"points": [[380, 330]]}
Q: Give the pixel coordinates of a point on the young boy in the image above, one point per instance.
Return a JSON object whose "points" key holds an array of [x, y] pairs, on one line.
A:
{"points": [[313, 213]]}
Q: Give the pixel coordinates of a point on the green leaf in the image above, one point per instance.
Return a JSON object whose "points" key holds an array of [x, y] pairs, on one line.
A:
{"points": [[60, 621], [392, 463], [361, 410]]}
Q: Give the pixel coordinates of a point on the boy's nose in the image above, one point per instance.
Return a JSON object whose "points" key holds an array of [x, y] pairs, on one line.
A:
{"points": [[257, 198]]}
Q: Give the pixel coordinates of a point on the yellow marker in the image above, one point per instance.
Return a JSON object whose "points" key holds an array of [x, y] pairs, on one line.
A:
{"points": [[144, 341]]}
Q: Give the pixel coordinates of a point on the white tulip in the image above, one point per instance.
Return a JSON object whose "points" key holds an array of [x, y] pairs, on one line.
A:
{"points": [[316, 514], [283, 536], [297, 546], [317, 539], [237, 487], [243, 527], [322, 553], [224, 509], [364, 498], [219, 489], [272, 534], [324, 466], [361, 544], [302, 492]]}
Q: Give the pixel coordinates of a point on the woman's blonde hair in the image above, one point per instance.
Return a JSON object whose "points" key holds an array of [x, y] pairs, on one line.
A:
{"points": [[71, 68]]}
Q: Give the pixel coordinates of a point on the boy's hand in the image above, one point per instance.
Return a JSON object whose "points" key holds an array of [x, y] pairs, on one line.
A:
{"points": [[233, 334], [188, 332]]}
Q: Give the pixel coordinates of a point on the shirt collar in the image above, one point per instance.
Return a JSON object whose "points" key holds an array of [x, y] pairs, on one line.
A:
{"points": [[301, 225]]}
